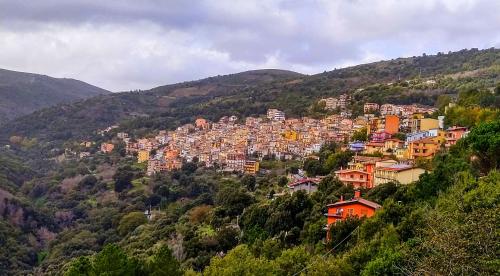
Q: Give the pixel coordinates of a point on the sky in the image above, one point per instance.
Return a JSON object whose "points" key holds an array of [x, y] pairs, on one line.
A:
{"points": [[129, 44]]}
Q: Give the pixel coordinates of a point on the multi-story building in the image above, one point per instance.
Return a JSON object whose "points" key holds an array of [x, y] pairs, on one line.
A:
{"points": [[343, 209], [370, 108], [453, 134], [387, 109], [418, 123], [357, 178], [424, 148], [142, 156], [251, 167], [275, 115], [391, 124], [402, 173]]}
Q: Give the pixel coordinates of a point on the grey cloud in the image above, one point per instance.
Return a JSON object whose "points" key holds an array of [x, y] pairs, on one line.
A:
{"points": [[139, 44]]}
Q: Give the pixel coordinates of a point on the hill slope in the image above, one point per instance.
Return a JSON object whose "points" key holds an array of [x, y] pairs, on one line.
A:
{"points": [[22, 93]]}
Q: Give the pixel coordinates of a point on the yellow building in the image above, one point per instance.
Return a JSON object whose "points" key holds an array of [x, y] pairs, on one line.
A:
{"points": [[142, 156], [251, 167], [422, 124], [403, 174], [291, 135]]}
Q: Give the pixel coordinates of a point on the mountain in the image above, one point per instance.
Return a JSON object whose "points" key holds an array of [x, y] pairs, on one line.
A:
{"points": [[251, 93], [81, 118], [22, 93]]}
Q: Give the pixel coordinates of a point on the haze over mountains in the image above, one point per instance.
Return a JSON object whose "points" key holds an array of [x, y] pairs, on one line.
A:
{"points": [[22, 93]]}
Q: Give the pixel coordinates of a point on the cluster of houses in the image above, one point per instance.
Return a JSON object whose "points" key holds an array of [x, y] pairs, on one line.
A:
{"points": [[232, 146]]}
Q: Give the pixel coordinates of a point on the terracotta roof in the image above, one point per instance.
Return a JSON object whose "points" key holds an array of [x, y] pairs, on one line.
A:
{"points": [[356, 200]]}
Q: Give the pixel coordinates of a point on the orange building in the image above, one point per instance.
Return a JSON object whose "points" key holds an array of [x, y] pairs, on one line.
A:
{"points": [[356, 207], [358, 178], [392, 124]]}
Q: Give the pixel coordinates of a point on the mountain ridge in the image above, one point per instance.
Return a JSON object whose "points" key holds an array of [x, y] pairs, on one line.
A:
{"points": [[23, 93]]}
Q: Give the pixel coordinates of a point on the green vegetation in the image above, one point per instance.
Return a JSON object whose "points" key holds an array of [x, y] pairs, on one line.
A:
{"points": [[86, 216]]}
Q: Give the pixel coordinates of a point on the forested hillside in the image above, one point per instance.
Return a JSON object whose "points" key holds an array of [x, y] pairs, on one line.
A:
{"points": [[22, 93]]}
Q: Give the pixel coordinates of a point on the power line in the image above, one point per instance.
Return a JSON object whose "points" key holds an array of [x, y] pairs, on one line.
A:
{"points": [[329, 251]]}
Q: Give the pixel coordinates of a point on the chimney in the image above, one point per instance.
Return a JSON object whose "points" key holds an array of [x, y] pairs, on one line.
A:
{"points": [[357, 194], [341, 198]]}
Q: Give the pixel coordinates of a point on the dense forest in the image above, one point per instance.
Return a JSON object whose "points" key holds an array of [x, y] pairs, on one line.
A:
{"points": [[62, 215]]}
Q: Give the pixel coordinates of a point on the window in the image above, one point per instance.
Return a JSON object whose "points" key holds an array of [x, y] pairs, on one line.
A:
{"points": [[352, 176], [361, 176], [350, 211]]}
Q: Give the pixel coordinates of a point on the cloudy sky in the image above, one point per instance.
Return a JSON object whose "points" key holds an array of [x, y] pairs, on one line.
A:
{"points": [[130, 44]]}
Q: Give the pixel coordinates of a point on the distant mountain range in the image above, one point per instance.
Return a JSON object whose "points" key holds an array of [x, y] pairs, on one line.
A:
{"points": [[22, 93]]}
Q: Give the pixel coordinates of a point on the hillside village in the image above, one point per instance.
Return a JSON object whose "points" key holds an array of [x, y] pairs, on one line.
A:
{"points": [[394, 139]]}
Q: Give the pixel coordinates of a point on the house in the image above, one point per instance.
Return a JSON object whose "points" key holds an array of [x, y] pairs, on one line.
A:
{"points": [[453, 134], [372, 147], [355, 207], [309, 185], [365, 164], [387, 109], [423, 148], [370, 107], [402, 173], [275, 115], [107, 147], [391, 145], [251, 167], [380, 136], [330, 103], [418, 123], [357, 178]]}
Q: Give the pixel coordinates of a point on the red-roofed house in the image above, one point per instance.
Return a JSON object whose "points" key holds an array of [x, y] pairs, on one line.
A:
{"points": [[310, 185], [355, 207]]}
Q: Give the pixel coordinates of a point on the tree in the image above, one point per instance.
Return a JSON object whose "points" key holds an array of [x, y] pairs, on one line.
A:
{"points": [[131, 221], [312, 167], [239, 261], [163, 263], [123, 179], [233, 199], [80, 266], [249, 182], [360, 135], [484, 141], [113, 261]]}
